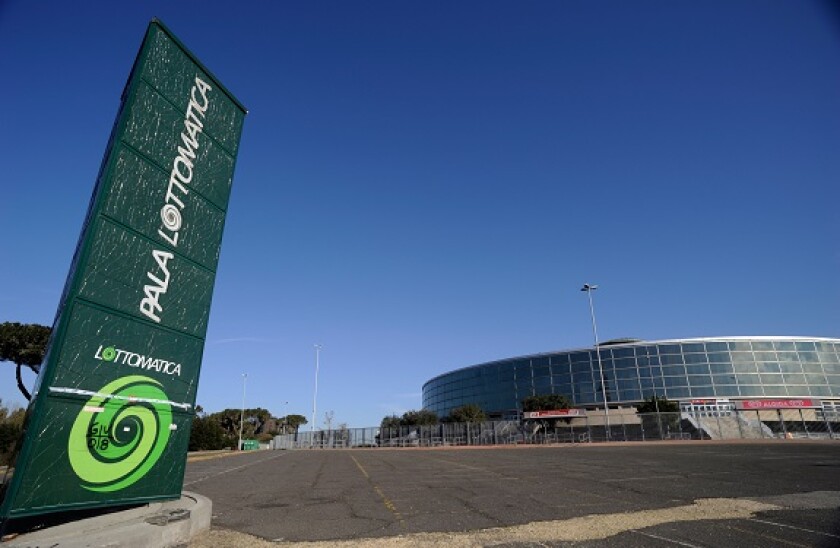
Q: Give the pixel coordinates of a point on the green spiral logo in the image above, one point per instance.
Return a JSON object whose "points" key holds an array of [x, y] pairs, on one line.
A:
{"points": [[113, 448]]}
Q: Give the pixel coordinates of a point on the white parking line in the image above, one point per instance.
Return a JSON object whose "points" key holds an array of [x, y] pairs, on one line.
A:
{"points": [[672, 541], [645, 478], [795, 528], [282, 453]]}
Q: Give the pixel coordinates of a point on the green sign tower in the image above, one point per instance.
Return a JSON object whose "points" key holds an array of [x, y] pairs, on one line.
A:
{"points": [[109, 421]]}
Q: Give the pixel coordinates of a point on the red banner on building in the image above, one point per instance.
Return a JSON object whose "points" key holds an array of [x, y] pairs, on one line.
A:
{"points": [[554, 414], [777, 404]]}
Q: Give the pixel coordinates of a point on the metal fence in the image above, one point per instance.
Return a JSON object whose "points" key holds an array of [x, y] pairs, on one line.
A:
{"points": [[594, 427]]}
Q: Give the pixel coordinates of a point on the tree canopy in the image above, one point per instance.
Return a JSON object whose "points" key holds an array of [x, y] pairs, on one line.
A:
{"points": [[419, 418], [656, 404], [422, 417], [207, 434], [467, 413], [23, 344], [545, 402], [220, 430], [254, 421], [11, 429], [293, 422], [391, 421]]}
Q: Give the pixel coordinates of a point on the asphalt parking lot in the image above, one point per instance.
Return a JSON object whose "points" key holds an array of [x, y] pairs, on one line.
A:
{"points": [[779, 493]]}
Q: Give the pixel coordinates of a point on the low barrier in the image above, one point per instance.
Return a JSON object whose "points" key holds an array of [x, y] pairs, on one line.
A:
{"points": [[593, 427]]}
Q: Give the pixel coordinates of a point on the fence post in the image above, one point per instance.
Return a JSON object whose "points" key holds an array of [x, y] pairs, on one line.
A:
{"points": [[804, 425], [607, 429], [623, 427], [782, 422]]}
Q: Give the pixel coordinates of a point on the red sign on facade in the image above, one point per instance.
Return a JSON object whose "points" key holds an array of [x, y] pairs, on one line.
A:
{"points": [[777, 404], [553, 414]]}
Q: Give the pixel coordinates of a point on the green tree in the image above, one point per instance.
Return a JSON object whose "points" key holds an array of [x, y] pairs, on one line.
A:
{"points": [[422, 417], [259, 417], [252, 421], [391, 421], [11, 429], [545, 402], [656, 404], [467, 413], [294, 422], [207, 434], [23, 344]]}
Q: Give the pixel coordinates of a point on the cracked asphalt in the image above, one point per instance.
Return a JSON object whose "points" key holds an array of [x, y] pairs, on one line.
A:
{"points": [[654, 494]]}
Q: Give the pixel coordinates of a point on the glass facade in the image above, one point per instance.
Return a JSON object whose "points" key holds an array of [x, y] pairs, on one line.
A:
{"points": [[736, 368]]}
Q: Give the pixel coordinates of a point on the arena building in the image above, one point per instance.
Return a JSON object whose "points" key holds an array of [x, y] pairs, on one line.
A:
{"points": [[706, 373]]}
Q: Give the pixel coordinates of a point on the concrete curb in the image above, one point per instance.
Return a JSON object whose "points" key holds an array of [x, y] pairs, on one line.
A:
{"points": [[159, 524]]}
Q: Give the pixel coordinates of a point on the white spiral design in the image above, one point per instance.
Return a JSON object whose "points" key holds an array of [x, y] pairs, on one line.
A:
{"points": [[171, 217]]}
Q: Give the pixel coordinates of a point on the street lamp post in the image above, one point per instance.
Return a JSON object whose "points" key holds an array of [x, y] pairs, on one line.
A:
{"points": [[589, 288], [315, 396], [242, 412], [285, 416]]}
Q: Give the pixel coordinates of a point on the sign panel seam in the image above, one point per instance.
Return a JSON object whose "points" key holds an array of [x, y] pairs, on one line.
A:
{"points": [[164, 171], [110, 220], [174, 105]]}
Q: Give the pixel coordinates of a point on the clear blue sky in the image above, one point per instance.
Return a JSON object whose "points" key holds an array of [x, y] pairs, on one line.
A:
{"points": [[424, 186]]}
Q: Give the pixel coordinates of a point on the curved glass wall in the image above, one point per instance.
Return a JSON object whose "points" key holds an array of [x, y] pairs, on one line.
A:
{"points": [[684, 369]]}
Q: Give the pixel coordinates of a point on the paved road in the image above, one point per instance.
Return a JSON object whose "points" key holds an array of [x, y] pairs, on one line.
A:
{"points": [[780, 493]]}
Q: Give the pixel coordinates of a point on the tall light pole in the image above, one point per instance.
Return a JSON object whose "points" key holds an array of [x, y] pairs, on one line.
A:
{"points": [[242, 413], [285, 416], [589, 288], [315, 396]]}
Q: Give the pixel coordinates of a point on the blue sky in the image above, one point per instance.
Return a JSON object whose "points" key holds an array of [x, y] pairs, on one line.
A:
{"points": [[423, 186]]}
